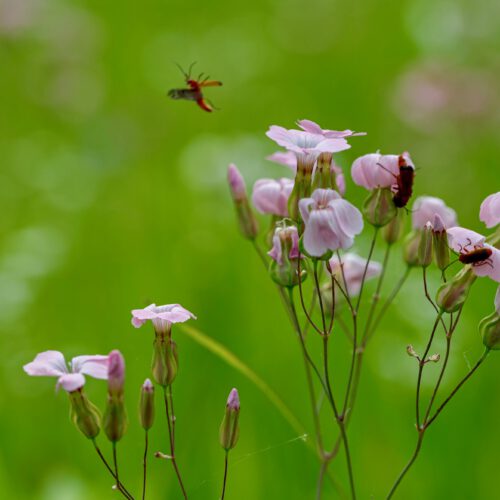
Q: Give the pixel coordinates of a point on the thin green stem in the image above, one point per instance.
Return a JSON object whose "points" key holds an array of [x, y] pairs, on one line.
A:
{"points": [[145, 464], [225, 475], [370, 253], [119, 485], [170, 423]]}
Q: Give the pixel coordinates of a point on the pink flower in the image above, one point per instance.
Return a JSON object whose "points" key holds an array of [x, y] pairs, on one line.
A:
{"points": [[53, 364], [314, 128], [305, 143], [375, 170], [353, 270], [490, 210], [161, 316], [464, 241], [426, 208], [270, 196], [339, 178], [236, 183], [233, 400], [283, 238], [287, 158], [330, 222]]}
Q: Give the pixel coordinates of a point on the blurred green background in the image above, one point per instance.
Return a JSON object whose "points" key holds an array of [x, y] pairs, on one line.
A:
{"points": [[113, 196]]}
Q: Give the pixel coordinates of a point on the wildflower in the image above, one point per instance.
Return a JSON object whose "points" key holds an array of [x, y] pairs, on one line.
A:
{"points": [[162, 317], [271, 196], [71, 377], [330, 222], [287, 158], [248, 224], [229, 429], [374, 170], [352, 268], [489, 212], [425, 208], [468, 243]]}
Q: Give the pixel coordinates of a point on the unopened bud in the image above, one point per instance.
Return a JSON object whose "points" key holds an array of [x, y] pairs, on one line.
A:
{"points": [[115, 417], [410, 248], [229, 429], [452, 294], [165, 361], [116, 372], [378, 208], [247, 221], [425, 246], [147, 405], [393, 230], [411, 351], [440, 243], [302, 185], [490, 326], [84, 414], [284, 266]]}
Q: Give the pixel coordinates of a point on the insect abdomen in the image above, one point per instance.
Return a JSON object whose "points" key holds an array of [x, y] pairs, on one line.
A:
{"points": [[186, 94]]}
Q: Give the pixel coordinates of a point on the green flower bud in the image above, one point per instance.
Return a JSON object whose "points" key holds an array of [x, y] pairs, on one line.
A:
{"points": [[229, 429], [394, 229], [490, 331], [452, 294], [441, 248], [147, 405], [425, 246], [115, 418], [84, 414], [165, 360], [378, 208], [411, 244]]}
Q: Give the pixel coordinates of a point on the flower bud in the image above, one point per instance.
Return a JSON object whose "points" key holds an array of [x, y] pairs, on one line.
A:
{"points": [[116, 373], [410, 350], [490, 331], [452, 294], [410, 248], [229, 429], [378, 208], [84, 414], [147, 405], [302, 186], [115, 417], [425, 246], [247, 221], [394, 229], [440, 243], [433, 359], [165, 361], [284, 265]]}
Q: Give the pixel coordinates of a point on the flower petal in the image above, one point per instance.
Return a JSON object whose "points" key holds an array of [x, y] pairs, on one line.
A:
{"points": [[460, 238], [48, 364], [96, 366], [71, 381]]}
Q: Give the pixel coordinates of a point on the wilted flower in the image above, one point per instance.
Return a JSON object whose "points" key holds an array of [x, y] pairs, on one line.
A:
{"points": [[426, 207], [305, 143], [270, 196], [70, 377], [314, 128], [489, 212], [353, 270], [330, 222], [465, 242], [375, 170], [161, 316]]}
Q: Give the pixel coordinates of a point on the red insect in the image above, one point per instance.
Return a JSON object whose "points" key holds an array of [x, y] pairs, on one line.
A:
{"points": [[478, 256], [404, 181], [194, 92]]}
